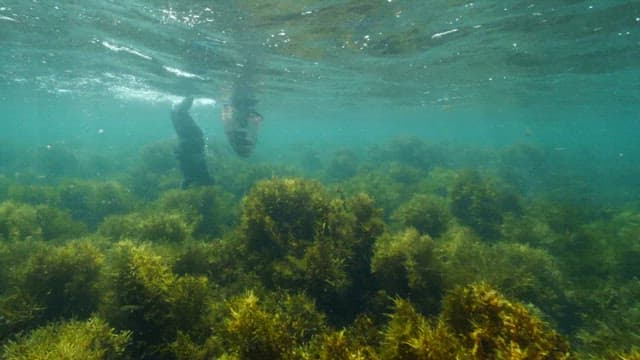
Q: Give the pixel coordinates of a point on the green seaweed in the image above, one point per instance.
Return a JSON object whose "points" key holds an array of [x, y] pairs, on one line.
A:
{"points": [[273, 330], [405, 264], [42, 222], [520, 271], [299, 238], [426, 213], [159, 227], [478, 204], [208, 210], [92, 201], [303, 271], [342, 165], [144, 296], [492, 326], [92, 339]]}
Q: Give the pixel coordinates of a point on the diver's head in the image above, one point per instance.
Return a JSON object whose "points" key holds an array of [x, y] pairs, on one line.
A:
{"points": [[241, 128]]}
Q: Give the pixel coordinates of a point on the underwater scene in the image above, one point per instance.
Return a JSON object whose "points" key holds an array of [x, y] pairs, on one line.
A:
{"points": [[319, 179]]}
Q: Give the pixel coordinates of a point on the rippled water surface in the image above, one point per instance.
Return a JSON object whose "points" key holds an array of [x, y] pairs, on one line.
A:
{"points": [[564, 74]]}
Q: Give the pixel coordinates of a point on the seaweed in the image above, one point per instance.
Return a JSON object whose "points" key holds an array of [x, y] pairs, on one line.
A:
{"points": [[467, 269], [138, 285], [520, 271], [405, 264], [62, 280], [299, 238], [92, 201], [144, 296], [426, 213], [208, 210], [275, 330], [92, 339], [492, 326], [158, 227], [481, 205], [20, 222], [343, 165], [408, 335]]}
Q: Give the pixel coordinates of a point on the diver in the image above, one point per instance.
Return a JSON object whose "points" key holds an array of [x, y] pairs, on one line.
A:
{"points": [[190, 149], [241, 125], [240, 119]]}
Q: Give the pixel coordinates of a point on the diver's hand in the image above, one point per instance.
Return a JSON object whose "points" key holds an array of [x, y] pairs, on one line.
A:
{"points": [[183, 106]]}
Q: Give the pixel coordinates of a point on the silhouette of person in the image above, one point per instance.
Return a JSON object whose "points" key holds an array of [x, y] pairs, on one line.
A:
{"points": [[190, 149]]}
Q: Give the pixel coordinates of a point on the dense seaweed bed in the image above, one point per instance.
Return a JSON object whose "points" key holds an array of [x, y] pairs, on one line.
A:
{"points": [[406, 250]]}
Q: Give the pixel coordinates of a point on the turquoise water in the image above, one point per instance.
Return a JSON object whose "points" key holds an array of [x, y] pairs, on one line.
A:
{"points": [[104, 74], [390, 97]]}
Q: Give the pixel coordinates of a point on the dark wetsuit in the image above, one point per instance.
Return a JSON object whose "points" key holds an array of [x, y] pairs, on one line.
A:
{"points": [[190, 149]]}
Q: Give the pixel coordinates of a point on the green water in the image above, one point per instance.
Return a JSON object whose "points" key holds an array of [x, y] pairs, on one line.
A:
{"points": [[506, 132]]}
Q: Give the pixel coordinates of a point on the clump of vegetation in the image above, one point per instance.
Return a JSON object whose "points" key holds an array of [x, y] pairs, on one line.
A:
{"points": [[273, 330], [26, 222], [409, 335], [58, 224], [388, 188], [61, 281], [299, 238], [610, 312], [74, 340], [438, 182], [159, 227], [411, 151], [155, 170], [207, 210], [343, 165], [18, 222], [222, 262], [158, 158], [405, 265], [480, 205], [145, 297], [48, 283], [90, 201], [520, 271], [492, 326], [33, 194], [426, 213], [283, 215], [356, 342]]}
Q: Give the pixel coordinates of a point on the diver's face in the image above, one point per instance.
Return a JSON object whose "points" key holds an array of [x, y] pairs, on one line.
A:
{"points": [[241, 128], [241, 143]]}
